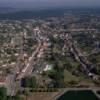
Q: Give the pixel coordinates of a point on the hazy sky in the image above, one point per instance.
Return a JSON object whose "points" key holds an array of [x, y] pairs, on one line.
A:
{"points": [[49, 3]]}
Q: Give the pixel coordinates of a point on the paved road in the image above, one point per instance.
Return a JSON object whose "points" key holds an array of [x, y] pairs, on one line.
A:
{"points": [[86, 65], [29, 67]]}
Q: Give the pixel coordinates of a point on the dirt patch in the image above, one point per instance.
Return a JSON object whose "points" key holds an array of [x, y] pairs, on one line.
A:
{"points": [[42, 96]]}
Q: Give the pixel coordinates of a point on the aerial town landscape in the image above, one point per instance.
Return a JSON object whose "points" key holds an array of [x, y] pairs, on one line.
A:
{"points": [[47, 55]]}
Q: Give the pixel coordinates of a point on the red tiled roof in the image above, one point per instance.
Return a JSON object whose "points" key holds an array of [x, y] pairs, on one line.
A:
{"points": [[2, 79]]}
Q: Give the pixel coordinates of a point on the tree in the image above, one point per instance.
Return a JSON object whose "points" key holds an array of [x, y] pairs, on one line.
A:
{"points": [[29, 82], [3, 93], [17, 97]]}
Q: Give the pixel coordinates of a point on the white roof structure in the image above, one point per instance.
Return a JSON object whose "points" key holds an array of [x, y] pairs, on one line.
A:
{"points": [[48, 67]]}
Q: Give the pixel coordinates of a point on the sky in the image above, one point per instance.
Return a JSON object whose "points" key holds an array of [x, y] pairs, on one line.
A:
{"points": [[49, 3]]}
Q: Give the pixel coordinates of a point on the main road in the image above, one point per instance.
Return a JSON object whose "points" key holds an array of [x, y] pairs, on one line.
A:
{"points": [[27, 70]]}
